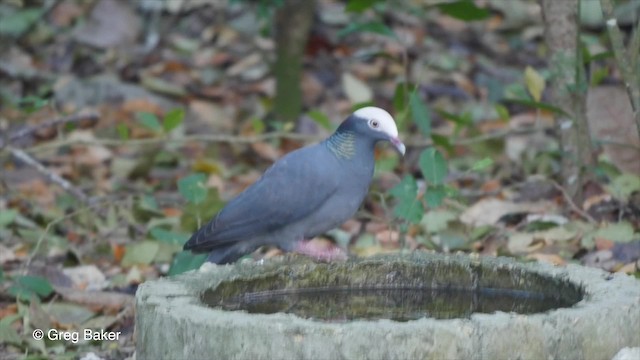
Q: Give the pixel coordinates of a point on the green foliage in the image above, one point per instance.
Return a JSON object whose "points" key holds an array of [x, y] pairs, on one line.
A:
{"points": [[7, 217], [360, 5], [140, 253], [192, 188], [464, 10], [539, 105], [434, 195], [376, 27], [433, 166], [320, 118], [123, 131], [409, 206], [185, 261], [27, 286], [420, 114], [482, 164], [18, 22], [149, 120], [194, 214], [168, 237], [172, 119], [30, 104]]}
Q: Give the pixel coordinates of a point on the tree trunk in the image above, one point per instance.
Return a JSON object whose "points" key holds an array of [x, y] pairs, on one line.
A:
{"points": [[568, 92], [292, 23]]}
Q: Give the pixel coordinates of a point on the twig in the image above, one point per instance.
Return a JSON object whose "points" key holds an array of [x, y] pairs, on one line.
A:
{"points": [[234, 139], [627, 61], [26, 131], [573, 205], [50, 175]]}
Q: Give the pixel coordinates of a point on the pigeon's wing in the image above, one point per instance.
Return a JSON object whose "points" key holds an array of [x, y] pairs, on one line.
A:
{"points": [[290, 190]]}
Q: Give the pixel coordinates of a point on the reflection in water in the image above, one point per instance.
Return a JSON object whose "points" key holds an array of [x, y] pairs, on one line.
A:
{"points": [[398, 304]]}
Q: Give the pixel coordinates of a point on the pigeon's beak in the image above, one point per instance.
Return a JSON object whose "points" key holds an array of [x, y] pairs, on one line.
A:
{"points": [[398, 145]]}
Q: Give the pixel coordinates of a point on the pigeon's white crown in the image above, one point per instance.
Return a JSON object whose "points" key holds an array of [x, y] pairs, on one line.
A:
{"points": [[387, 124]]}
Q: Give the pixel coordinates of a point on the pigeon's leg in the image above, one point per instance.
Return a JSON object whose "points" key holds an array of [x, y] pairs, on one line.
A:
{"points": [[320, 250]]}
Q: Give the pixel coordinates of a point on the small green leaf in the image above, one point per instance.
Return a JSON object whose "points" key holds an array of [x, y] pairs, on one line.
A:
{"points": [[258, 125], [123, 131], [420, 114], [539, 105], [19, 22], [434, 195], [168, 237], [482, 164], [461, 120], [433, 166], [7, 217], [185, 261], [503, 112], [172, 119], [194, 214], [360, 5], [409, 207], [464, 10], [192, 188], [148, 202], [24, 287], [401, 98], [140, 253], [443, 142], [372, 27], [320, 118], [30, 104], [149, 120]]}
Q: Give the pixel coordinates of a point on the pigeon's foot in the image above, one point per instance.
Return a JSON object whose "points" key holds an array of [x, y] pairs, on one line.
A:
{"points": [[321, 250]]}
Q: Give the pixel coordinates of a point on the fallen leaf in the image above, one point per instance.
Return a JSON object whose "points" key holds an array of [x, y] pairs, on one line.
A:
{"points": [[490, 211], [621, 232], [547, 258], [104, 301], [629, 268], [266, 151], [534, 82], [355, 89], [68, 315], [87, 277], [437, 220], [388, 239], [111, 23], [624, 185]]}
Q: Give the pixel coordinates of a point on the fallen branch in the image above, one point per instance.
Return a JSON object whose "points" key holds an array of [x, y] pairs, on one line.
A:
{"points": [[235, 139], [50, 175], [572, 204], [28, 130]]}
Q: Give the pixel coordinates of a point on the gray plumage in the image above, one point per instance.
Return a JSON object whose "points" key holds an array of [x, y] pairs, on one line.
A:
{"points": [[302, 195]]}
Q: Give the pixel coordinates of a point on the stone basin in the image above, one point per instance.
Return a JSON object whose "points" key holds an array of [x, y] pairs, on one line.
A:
{"points": [[198, 315]]}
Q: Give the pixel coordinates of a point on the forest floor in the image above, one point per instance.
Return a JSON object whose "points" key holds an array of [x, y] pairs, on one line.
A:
{"points": [[125, 125]]}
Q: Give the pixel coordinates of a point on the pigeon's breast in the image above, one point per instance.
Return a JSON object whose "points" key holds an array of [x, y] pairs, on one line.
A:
{"points": [[342, 205]]}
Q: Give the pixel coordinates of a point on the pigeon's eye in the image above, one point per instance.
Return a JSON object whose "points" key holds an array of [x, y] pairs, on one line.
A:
{"points": [[374, 124]]}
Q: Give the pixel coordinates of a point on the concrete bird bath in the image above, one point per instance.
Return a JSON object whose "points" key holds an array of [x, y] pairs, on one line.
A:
{"points": [[389, 307]]}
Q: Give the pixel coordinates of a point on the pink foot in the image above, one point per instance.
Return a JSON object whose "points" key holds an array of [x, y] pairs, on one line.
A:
{"points": [[321, 250]]}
